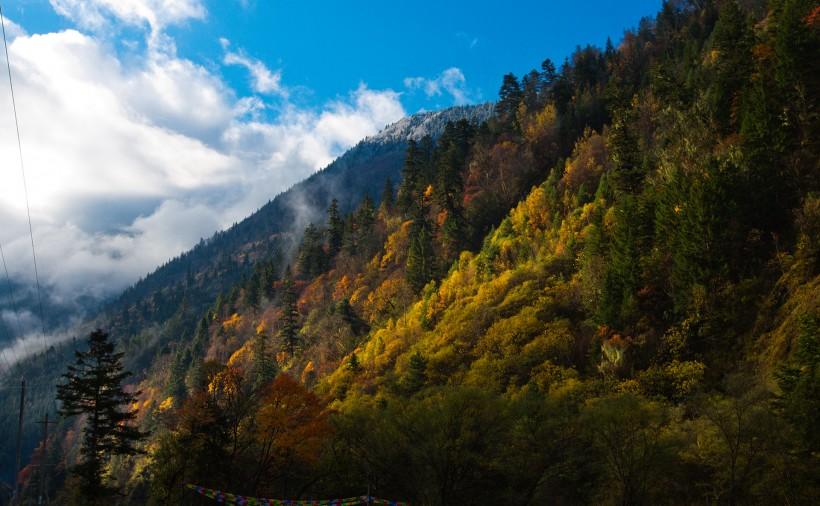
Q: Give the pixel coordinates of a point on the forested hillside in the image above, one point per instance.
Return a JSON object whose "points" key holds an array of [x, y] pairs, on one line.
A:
{"points": [[606, 293], [163, 309]]}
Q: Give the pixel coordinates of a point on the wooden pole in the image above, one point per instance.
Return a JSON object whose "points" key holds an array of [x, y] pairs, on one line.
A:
{"points": [[17, 483]]}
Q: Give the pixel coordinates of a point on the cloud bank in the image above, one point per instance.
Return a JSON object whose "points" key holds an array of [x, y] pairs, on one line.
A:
{"points": [[132, 158], [450, 81]]}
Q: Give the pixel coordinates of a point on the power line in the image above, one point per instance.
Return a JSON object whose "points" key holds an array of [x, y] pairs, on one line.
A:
{"points": [[12, 302], [25, 184]]}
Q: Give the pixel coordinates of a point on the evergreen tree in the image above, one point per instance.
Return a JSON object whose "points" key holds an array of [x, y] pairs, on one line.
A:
{"points": [[628, 173], [732, 42], [93, 388], [622, 279], [420, 255], [799, 383], [410, 179], [335, 229], [353, 364], [451, 158], [312, 259], [531, 84], [253, 291], [289, 331], [179, 369], [264, 364], [547, 78], [416, 376], [509, 96], [388, 198], [365, 218]]}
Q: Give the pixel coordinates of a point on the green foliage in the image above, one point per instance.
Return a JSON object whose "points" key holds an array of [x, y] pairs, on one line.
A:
{"points": [[421, 261], [289, 321], [264, 363], [335, 229], [502, 333], [312, 258], [93, 388], [799, 382]]}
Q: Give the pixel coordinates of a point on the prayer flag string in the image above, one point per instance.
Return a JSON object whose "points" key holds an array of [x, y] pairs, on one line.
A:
{"points": [[240, 500]]}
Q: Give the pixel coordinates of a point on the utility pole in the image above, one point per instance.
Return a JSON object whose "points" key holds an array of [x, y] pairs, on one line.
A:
{"points": [[19, 439], [42, 490]]}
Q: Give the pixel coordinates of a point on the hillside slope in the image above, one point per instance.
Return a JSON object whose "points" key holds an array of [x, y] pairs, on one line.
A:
{"points": [[582, 300]]}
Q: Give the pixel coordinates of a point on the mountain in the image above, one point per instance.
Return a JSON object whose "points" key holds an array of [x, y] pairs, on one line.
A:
{"points": [[606, 293], [180, 290], [360, 171]]}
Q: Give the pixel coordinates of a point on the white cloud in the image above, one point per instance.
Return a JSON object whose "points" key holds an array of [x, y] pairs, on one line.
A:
{"points": [[469, 41], [131, 161], [450, 81], [13, 30], [262, 79], [94, 14]]}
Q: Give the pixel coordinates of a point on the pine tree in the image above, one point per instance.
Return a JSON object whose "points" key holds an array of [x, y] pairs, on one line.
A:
{"points": [[312, 259], [451, 158], [289, 331], [264, 365], [548, 76], [416, 376], [388, 198], [628, 173], [410, 179], [253, 291], [732, 42], [335, 229], [420, 255], [365, 218], [93, 388], [353, 364], [509, 96], [799, 381], [179, 368]]}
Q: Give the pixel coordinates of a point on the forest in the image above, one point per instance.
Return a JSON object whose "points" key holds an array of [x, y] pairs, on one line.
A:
{"points": [[606, 293]]}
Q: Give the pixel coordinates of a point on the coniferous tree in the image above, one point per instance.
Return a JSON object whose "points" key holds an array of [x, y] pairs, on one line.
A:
{"points": [[416, 374], [628, 174], [353, 364], [509, 96], [253, 291], [410, 178], [289, 331], [365, 218], [449, 192], [388, 198], [93, 388], [420, 255], [732, 42], [312, 256], [264, 365], [548, 76], [335, 229]]}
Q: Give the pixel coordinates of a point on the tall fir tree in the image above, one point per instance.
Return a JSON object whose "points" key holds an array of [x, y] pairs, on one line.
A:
{"points": [[93, 388], [509, 96], [335, 229], [289, 330], [264, 364], [410, 178], [312, 258], [388, 196], [421, 264]]}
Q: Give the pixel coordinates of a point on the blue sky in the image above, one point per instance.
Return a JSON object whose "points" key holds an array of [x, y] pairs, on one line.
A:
{"points": [[149, 124], [325, 49]]}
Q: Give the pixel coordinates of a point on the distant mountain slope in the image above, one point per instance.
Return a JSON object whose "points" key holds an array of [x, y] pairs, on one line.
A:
{"points": [[360, 171], [162, 309]]}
